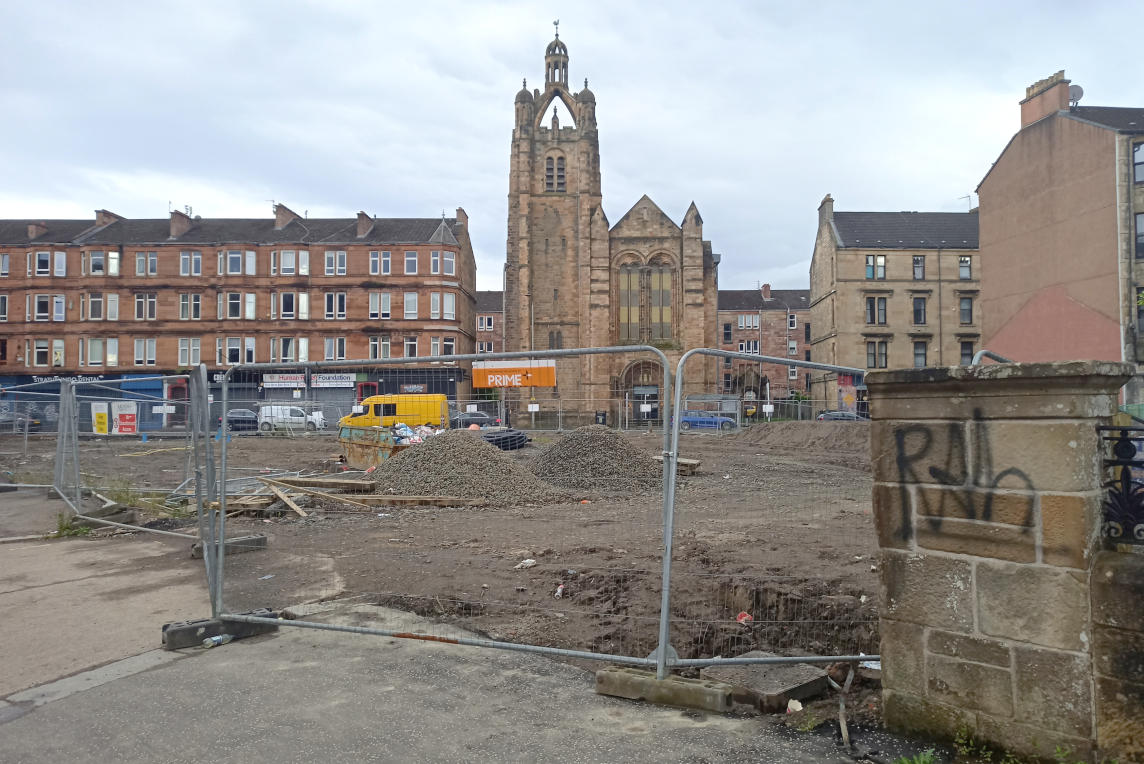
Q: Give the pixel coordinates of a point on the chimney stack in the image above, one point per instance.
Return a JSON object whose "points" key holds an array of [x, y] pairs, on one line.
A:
{"points": [[364, 225], [1045, 97], [766, 290], [180, 224], [283, 216], [104, 217], [826, 209], [36, 230]]}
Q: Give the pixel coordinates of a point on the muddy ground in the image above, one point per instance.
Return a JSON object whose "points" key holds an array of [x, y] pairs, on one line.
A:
{"points": [[773, 545]]}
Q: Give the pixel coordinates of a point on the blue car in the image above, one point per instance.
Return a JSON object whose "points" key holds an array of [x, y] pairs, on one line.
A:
{"points": [[708, 420]]}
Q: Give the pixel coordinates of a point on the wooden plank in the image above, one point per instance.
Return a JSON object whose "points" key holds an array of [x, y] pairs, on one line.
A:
{"points": [[682, 466], [350, 485], [311, 492], [286, 499]]}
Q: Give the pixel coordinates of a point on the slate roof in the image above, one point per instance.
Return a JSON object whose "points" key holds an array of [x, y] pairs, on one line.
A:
{"points": [[752, 299], [254, 231], [1121, 119], [490, 302], [15, 232], [907, 230]]}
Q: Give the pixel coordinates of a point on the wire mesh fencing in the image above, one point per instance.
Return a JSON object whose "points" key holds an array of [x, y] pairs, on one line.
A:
{"points": [[773, 544], [510, 535]]}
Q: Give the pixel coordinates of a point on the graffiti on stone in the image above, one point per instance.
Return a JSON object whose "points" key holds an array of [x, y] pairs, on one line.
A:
{"points": [[964, 469]]}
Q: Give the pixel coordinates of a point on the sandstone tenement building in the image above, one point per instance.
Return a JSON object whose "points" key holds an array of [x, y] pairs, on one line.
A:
{"points": [[770, 322], [574, 280], [891, 290], [113, 297], [1062, 233]]}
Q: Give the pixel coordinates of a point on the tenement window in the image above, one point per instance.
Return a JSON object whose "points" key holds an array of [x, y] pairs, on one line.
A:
{"points": [[919, 355], [965, 268], [919, 267], [966, 310]]}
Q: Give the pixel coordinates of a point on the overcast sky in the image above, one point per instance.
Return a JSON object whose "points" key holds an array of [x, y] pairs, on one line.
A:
{"points": [[754, 110]]}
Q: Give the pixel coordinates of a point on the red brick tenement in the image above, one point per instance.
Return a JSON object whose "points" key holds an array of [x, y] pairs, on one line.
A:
{"points": [[113, 295], [770, 322]]}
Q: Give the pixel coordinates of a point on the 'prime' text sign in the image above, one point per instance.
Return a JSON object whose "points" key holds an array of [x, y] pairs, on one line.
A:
{"points": [[514, 373]]}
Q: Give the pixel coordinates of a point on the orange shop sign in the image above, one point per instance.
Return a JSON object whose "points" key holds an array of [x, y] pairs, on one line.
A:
{"points": [[514, 373]]}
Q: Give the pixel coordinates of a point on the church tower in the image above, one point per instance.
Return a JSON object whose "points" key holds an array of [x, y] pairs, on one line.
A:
{"points": [[553, 203]]}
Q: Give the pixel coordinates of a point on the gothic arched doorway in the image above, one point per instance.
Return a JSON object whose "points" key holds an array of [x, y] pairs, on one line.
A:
{"points": [[641, 388]]}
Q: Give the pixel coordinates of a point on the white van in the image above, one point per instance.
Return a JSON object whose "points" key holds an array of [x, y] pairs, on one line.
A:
{"points": [[289, 417]]}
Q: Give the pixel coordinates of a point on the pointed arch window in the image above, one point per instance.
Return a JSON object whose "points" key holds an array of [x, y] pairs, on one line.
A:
{"points": [[659, 299], [645, 303], [629, 302], [554, 174]]}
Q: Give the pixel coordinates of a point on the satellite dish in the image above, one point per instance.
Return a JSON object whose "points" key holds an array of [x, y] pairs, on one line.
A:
{"points": [[1076, 92]]}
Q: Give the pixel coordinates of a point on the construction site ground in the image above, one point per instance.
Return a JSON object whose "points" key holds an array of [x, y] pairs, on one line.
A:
{"points": [[775, 524]]}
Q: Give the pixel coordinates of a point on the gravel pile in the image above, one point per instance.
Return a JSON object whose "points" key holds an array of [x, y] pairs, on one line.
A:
{"points": [[459, 463], [599, 459]]}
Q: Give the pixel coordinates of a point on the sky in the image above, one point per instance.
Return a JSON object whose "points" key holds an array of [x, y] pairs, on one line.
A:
{"points": [[753, 110]]}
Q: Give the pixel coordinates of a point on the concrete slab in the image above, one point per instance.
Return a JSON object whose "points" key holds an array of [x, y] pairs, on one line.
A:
{"points": [[29, 512], [635, 684], [770, 687], [304, 695]]}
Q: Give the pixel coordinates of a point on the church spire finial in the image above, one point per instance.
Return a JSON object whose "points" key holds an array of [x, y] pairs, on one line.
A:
{"points": [[557, 25]]}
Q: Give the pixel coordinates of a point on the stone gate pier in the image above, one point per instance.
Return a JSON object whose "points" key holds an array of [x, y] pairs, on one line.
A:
{"points": [[1004, 611]]}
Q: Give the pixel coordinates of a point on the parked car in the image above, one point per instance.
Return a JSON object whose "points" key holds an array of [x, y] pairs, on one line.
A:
{"points": [[239, 420], [840, 416], [14, 421], [289, 417], [709, 420], [462, 419]]}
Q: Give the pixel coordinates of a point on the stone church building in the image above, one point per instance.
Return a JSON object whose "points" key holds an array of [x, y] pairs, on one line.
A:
{"points": [[572, 279]]}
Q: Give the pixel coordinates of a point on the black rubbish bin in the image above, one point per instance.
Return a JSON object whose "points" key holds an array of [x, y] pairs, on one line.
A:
{"points": [[602, 417]]}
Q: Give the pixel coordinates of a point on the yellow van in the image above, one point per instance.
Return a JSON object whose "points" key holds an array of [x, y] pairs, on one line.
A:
{"points": [[388, 410]]}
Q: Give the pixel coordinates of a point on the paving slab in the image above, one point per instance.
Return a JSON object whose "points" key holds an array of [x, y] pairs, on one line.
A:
{"points": [[770, 686]]}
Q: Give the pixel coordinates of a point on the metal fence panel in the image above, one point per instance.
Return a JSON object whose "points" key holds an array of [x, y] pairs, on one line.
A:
{"points": [[561, 554], [772, 540]]}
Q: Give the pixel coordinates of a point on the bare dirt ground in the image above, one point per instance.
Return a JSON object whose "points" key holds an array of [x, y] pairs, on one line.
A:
{"points": [[775, 525]]}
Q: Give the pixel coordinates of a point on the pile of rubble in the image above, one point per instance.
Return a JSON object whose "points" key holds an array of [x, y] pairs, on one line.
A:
{"points": [[459, 463], [599, 459]]}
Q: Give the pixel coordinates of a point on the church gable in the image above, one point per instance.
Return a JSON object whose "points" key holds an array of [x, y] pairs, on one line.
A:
{"points": [[645, 220]]}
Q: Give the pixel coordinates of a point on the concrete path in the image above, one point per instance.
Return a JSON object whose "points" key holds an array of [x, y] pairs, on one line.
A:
{"points": [[70, 604], [302, 695]]}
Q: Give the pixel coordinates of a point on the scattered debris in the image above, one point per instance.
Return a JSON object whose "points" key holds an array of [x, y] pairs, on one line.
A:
{"points": [[793, 706], [524, 564], [559, 591], [267, 577]]}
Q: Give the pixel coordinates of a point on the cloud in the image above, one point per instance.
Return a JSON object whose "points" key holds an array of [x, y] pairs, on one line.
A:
{"points": [[754, 111]]}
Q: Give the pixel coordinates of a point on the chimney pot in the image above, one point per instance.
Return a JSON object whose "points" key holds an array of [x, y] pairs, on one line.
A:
{"points": [[766, 290]]}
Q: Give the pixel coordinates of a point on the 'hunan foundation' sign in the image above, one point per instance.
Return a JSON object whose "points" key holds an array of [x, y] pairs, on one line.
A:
{"points": [[514, 373]]}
